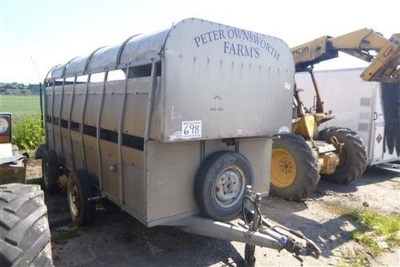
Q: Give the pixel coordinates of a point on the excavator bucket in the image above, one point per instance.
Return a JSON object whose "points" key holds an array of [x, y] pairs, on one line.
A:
{"points": [[386, 65]]}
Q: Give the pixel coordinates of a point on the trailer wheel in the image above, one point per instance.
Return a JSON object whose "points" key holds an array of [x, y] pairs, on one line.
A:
{"points": [[79, 192], [50, 171], [352, 159], [220, 184], [294, 172], [25, 233]]}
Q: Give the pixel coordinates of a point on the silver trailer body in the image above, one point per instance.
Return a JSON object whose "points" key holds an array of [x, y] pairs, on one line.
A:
{"points": [[181, 94], [355, 103]]}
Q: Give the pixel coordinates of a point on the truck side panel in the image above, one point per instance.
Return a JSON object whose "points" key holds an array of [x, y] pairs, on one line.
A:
{"points": [[171, 196], [355, 103]]}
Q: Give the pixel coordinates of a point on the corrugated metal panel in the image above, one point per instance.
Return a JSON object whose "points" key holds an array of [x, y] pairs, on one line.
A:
{"points": [[76, 67], [143, 47]]}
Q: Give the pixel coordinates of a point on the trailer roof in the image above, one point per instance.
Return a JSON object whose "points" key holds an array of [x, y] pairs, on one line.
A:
{"points": [[136, 48], [142, 49]]}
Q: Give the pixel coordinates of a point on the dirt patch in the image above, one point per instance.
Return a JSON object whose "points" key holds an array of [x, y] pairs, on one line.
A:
{"points": [[117, 239], [34, 169]]}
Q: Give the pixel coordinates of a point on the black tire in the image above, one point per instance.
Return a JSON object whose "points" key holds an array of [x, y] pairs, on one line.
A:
{"points": [[40, 151], [220, 185], [352, 159], [24, 227], [50, 172], [294, 171], [108, 205], [79, 190]]}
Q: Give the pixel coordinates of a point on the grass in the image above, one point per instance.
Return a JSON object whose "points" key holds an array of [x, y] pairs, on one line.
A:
{"points": [[376, 228], [20, 105], [353, 261], [38, 181], [27, 130], [65, 235], [377, 232]]}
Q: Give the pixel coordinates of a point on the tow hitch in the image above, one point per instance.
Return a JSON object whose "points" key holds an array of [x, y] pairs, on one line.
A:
{"points": [[293, 241], [253, 230]]}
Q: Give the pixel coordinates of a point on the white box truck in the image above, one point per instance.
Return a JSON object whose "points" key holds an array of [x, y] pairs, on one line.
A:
{"points": [[356, 104]]}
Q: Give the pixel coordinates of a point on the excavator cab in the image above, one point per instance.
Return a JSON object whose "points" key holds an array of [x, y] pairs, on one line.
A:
{"points": [[307, 120]]}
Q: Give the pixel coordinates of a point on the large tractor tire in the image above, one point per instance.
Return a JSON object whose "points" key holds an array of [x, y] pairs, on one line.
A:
{"points": [[294, 172], [352, 159], [220, 185], [24, 228]]}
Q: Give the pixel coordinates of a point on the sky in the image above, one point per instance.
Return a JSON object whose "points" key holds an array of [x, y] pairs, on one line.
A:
{"points": [[38, 35]]}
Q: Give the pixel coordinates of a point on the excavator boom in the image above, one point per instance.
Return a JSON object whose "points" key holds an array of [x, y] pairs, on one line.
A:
{"points": [[365, 44]]}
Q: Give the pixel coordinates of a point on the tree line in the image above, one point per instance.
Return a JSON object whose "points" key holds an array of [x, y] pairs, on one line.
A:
{"points": [[13, 85]]}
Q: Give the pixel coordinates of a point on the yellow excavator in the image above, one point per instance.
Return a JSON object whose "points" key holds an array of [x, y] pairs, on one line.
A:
{"points": [[303, 156]]}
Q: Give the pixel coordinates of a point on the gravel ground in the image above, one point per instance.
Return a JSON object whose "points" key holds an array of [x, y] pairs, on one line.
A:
{"points": [[117, 239]]}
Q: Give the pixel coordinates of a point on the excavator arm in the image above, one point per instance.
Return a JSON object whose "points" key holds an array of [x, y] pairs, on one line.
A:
{"points": [[383, 54], [384, 58]]}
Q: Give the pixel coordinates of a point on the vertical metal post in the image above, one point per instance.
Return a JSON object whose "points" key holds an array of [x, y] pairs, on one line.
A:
{"points": [[149, 114], [98, 130], [52, 114], [120, 134], [69, 121], [250, 250], [82, 121], [59, 116], [41, 105], [319, 105]]}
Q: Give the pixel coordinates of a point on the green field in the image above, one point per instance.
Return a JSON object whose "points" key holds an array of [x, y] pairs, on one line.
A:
{"points": [[20, 105]]}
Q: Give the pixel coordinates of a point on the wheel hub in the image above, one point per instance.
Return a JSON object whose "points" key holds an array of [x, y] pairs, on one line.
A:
{"points": [[228, 187], [283, 168], [286, 166], [46, 173], [73, 198]]}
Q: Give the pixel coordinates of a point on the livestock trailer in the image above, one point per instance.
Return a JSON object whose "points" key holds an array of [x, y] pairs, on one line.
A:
{"points": [[358, 105], [171, 126]]}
